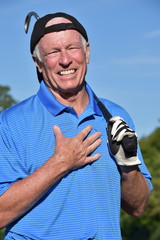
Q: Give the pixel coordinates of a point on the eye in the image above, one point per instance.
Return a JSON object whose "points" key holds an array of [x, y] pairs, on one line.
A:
{"points": [[52, 52], [74, 50], [73, 47]]}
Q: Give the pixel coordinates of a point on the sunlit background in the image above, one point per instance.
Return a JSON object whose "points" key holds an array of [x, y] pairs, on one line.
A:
{"points": [[125, 51]]}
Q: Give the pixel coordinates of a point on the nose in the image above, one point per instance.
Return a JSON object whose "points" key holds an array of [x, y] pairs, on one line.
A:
{"points": [[65, 59]]}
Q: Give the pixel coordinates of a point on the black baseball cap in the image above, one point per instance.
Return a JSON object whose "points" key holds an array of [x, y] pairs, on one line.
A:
{"points": [[40, 30]]}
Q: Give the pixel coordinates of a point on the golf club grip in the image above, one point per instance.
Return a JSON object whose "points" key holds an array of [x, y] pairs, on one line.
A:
{"points": [[129, 143]]}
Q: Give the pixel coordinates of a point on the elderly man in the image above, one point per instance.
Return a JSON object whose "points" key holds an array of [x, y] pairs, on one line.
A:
{"points": [[62, 176]]}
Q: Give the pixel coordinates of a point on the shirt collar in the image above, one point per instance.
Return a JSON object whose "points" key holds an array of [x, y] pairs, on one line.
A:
{"points": [[92, 101], [55, 107]]}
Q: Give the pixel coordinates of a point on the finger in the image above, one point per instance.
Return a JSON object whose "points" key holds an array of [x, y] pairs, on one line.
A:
{"points": [[93, 146], [93, 158], [83, 134], [125, 132], [92, 138], [58, 133], [115, 126], [114, 119], [120, 135]]}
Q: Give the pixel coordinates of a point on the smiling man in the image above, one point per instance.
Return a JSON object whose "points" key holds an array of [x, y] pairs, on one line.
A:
{"points": [[59, 177]]}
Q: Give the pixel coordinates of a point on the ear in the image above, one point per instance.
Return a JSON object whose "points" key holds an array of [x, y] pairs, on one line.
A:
{"points": [[87, 53], [37, 63]]}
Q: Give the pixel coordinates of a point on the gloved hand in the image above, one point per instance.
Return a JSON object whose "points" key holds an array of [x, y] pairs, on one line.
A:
{"points": [[122, 142]]}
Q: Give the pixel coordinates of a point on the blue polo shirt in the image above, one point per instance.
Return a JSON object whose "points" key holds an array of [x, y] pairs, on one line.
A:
{"points": [[84, 204]]}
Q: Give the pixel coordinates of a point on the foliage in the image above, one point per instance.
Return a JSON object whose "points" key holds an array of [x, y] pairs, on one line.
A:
{"points": [[6, 99], [1, 233], [147, 226]]}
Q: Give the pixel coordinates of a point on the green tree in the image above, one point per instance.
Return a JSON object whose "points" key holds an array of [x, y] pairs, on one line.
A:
{"points": [[1, 233], [147, 226], [6, 100]]}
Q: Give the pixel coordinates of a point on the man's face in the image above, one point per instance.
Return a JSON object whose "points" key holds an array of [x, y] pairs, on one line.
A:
{"points": [[63, 60]]}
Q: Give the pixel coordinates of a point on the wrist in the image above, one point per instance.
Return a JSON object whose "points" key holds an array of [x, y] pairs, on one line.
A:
{"points": [[128, 169], [128, 172]]}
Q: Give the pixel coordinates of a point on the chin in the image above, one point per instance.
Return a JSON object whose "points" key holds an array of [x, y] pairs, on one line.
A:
{"points": [[72, 89], [72, 86]]}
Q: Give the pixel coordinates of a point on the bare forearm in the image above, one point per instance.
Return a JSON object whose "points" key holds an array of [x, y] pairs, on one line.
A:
{"points": [[135, 191], [22, 195]]}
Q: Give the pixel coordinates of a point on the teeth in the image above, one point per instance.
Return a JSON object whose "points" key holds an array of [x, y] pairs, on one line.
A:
{"points": [[67, 72]]}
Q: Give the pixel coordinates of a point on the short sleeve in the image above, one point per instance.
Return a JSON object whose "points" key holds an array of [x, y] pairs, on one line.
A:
{"points": [[12, 165]]}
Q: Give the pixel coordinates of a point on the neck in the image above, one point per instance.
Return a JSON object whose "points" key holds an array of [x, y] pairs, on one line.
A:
{"points": [[77, 99]]}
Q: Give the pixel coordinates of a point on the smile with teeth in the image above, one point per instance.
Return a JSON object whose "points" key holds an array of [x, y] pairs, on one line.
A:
{"points": [[67, 72]]}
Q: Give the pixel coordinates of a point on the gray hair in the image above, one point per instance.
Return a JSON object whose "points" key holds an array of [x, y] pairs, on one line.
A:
{"points": [[36, 52]]}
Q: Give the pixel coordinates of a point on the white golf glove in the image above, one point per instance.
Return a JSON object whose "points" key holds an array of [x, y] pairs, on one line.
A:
{"points": [[122, 142]]}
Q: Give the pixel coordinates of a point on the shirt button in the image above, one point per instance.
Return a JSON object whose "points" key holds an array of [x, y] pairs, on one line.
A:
{"points": [[67, 110]]}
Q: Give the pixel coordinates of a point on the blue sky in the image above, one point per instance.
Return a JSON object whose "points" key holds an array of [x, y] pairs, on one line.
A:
{"points": [[125, 51]]}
